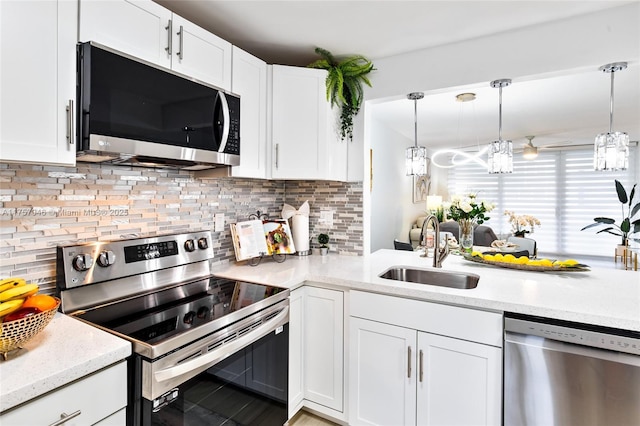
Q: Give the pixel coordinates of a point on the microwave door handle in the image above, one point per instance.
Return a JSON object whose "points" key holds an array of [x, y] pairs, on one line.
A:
{"points": [[225, 121]]}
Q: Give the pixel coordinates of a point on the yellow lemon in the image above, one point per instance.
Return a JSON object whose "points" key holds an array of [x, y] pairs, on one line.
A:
{"points": [[509, 258], [522, 260], [498, 257], [570, 262], [489, 257], [545, 262], [534, 262], [558, 263], [476, 254]]}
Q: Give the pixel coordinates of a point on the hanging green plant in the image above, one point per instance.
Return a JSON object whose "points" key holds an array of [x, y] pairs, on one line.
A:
{"points": [[344, 85]]}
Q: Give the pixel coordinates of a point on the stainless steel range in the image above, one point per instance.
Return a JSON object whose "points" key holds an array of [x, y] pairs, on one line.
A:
{"points": [[198, 340]]}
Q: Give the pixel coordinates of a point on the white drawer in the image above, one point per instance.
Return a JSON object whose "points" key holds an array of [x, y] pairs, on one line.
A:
{"points": [[96, 397], [446, 320]]}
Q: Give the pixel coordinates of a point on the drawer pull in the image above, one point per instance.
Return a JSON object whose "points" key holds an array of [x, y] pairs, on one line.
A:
{"points": [[64, 417], [409, 363]]}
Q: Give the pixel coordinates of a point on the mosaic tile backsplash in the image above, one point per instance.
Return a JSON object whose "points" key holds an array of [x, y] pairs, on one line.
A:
{"points": [[42, 207]]}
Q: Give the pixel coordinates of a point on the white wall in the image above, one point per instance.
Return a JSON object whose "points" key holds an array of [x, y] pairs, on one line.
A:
{"points": [[392, 209], [563, 46]]}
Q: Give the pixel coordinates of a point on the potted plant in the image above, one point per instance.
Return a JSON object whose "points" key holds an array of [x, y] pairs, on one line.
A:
{"points": [[624, 229], [323, 239], [344, 85]]}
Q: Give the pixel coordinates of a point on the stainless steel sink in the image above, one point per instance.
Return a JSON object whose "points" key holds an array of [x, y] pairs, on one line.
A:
{"points": [[431, 277]]}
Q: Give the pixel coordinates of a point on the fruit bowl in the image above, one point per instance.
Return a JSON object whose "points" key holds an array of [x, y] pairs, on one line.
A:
{"points": [[13, 334]]}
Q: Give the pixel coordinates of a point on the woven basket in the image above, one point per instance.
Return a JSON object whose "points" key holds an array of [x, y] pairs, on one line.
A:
{"points": [[14, 334]]}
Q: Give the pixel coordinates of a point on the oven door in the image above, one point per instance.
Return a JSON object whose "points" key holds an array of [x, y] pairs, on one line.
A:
{"points": [[229, 378], [247, 388]]}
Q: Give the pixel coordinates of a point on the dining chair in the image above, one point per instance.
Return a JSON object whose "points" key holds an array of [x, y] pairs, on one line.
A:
{"points": [[528, 244], [399, 245]]}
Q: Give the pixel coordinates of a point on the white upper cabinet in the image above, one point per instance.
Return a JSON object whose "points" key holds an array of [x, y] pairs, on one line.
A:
{"points": [[305, 134], [249, 80], [146, 30], [300, 123], [138, 28], [200, 54], [37, 81]]}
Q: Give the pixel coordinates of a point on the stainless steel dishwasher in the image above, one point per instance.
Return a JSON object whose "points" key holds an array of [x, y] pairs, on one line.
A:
{"points": [[559, 373]]}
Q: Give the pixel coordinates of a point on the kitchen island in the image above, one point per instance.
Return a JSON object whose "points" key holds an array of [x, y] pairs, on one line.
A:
{"points": [[606, 297]]}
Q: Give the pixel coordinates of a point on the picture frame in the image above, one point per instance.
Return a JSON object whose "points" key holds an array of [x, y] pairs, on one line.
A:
{"points": [[420, 188]]}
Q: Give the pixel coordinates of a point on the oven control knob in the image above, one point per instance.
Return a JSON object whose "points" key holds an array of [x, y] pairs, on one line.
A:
{"points": [[203, 312], [189, 245], [189, 317], [106, 258], [203, 243], [82, 262]]}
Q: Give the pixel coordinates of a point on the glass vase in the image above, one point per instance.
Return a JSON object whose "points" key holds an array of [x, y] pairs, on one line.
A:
{"points": [[466, 235]]}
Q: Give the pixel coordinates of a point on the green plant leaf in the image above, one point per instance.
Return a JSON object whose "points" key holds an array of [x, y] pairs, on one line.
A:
{"points": [[610, 231], [633, 191], [634, 210], [604, 220], [625, 226], [321, 64], [344, 85], [622, 194]]}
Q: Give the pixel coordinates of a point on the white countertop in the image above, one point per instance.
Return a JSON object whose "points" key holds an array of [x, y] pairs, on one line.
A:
{"points": [[66, 350], [602, 296]]}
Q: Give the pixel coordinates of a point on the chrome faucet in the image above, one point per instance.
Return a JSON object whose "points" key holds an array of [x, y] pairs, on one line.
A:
{"points": [[439, 254]]}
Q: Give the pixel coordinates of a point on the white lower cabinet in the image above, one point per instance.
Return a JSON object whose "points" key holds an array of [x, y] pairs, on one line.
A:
{"points": [[404, 370], [100, 398], [316, 351]]}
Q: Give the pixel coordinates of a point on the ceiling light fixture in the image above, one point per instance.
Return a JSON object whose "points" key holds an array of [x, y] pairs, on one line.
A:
{"points": [[459, 157], [611, 150], [500, 158], [416, 156], [530, 152]]}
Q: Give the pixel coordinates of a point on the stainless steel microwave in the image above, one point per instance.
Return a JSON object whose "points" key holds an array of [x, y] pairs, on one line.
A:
{"points": [[132, 112]]}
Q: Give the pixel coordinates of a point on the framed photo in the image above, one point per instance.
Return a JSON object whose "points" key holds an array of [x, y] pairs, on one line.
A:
{"points": [[420, 188]]}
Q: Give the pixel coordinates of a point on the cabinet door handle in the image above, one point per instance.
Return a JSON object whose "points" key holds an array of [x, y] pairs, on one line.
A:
{"points": [[169, 29], [420, 367], [181, 35], [409, 362], [70, 129], [276, 156], [64, 417]]}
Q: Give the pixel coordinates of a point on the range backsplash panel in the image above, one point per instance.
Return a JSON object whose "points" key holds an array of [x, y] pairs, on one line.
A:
{"points": [[44, 206]]}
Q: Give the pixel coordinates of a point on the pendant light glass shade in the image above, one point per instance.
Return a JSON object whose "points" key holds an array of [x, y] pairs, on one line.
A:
{"points": [[611, 150], [500, 157], [416, 156]]}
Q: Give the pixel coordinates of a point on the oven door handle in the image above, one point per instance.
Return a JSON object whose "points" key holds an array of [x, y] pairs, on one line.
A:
{"points": [[216, 355]]}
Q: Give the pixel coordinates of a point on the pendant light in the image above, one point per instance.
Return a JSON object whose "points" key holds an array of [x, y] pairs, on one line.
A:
{"points": [[500, 159], [611, 150], [459, 157], [530, 152], [416, 156]]}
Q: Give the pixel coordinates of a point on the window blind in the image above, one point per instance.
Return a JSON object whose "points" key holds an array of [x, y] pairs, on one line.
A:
{"points": [[561, 189]]}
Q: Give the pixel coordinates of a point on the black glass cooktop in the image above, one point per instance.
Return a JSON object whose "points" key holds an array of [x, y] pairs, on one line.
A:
{"points": [[151, 318]]}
